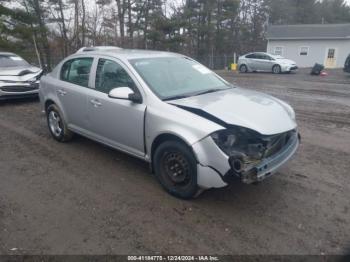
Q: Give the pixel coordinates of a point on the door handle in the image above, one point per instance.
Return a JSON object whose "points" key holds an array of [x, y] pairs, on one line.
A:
{"points": [[95, 103], [61, 92]]}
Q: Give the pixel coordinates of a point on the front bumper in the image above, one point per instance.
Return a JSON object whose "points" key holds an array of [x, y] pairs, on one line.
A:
{"points": [[215, 170], [18, 90], [289, 68], [270, 165]]}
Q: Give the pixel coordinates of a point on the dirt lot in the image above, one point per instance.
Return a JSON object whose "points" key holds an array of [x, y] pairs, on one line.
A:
{"points": [[84, 198]]}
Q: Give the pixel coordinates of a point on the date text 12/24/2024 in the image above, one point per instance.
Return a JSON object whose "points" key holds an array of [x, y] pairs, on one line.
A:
{"points": [[173, 258]]}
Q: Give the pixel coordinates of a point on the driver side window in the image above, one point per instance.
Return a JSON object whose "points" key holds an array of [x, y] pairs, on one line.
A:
{"points": [[266, 57], [110, 75]]}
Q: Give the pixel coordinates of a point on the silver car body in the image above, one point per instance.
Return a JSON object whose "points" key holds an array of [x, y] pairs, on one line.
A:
{"points": [[264, 62], [18, 80], [136, 128]]}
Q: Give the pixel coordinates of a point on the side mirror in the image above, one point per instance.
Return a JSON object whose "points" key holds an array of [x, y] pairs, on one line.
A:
{"points": [[125, 93]]}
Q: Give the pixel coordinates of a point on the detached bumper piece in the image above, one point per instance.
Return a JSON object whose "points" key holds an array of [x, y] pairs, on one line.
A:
{"points": [[268, 166]]}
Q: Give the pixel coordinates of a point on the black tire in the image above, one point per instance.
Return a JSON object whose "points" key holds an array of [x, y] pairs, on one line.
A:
{"points": [[57, 126], [243, 69], [175, 168], [276, 69]]}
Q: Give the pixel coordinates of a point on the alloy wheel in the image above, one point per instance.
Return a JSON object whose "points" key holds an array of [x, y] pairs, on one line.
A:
{"points": [[55, 123]]}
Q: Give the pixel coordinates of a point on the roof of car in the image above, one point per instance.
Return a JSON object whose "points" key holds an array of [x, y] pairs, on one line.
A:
{"points": [[6, 53], [129, 53], [308, 31], [261, 53]]}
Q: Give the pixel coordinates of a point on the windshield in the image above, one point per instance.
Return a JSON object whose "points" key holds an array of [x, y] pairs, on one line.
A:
{"points": [[11, 61], [177, 77]]}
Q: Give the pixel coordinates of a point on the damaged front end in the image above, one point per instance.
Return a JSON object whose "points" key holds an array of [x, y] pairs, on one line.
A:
{"points": [[25, 84], [252, 156]]}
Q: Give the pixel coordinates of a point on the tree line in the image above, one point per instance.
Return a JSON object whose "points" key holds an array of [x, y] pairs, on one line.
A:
{"points": [[48, 30]]}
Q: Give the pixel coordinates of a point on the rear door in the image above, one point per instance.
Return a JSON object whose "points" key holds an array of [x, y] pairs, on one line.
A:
{"points": [[71, 91], [116, 122], [252, 61]]}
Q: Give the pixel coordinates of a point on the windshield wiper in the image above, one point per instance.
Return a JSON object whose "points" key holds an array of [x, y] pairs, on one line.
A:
{"points": [[208, 92], [175, 97], [195, 94]]}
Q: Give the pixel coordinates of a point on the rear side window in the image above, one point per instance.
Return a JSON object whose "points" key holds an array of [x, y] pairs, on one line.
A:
{"points": [[266, 57], [77, 71], [110, 75], [251, 56]]}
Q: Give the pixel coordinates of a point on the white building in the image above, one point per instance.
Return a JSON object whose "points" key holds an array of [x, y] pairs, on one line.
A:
{"points": [[327, 44]]}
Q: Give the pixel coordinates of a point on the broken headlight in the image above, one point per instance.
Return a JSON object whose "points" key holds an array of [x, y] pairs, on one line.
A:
{"points": [[245, 148], [225, 140]]}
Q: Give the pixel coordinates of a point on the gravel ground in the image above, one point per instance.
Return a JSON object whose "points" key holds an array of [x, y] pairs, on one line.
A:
{"points": [[84, 198]]}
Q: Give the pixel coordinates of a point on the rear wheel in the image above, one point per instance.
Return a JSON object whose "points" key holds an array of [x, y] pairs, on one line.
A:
{"points": [[243, 69], [276, 69], [176, 169], [57, 125]]}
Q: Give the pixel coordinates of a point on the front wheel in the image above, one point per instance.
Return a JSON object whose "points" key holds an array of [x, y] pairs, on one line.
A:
{"points": [[176, 169], [57, 125], [276, 69]]}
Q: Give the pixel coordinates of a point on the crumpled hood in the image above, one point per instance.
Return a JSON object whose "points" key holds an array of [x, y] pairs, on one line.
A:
{"points": [[20, 73], [240, 107]]}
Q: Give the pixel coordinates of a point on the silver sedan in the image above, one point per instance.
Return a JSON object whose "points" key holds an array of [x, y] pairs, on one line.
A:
{"points": [[17, 77], [264, 62], [196, 130]]}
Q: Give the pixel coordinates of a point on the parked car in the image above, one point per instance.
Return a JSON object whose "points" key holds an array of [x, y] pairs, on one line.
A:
{"points": [[17, 77], [347, 65], [265, 62], [195, 129]]}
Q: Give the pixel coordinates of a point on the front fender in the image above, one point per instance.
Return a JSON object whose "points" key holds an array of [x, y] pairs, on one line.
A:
{"points": [[169, 119]]}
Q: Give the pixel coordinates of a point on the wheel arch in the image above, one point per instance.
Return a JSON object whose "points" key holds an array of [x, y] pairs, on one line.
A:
{"points": [[161, 138], [51, 100], [48, 103], [243, 64], [276, 65]]}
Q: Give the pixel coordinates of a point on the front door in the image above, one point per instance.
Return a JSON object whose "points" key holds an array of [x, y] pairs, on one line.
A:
{"points": [[116, 122], [331, 58]]}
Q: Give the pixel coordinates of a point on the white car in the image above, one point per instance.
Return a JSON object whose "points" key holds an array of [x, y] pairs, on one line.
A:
{"points": [[264, 62], [18, 79], [195, 129]]}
